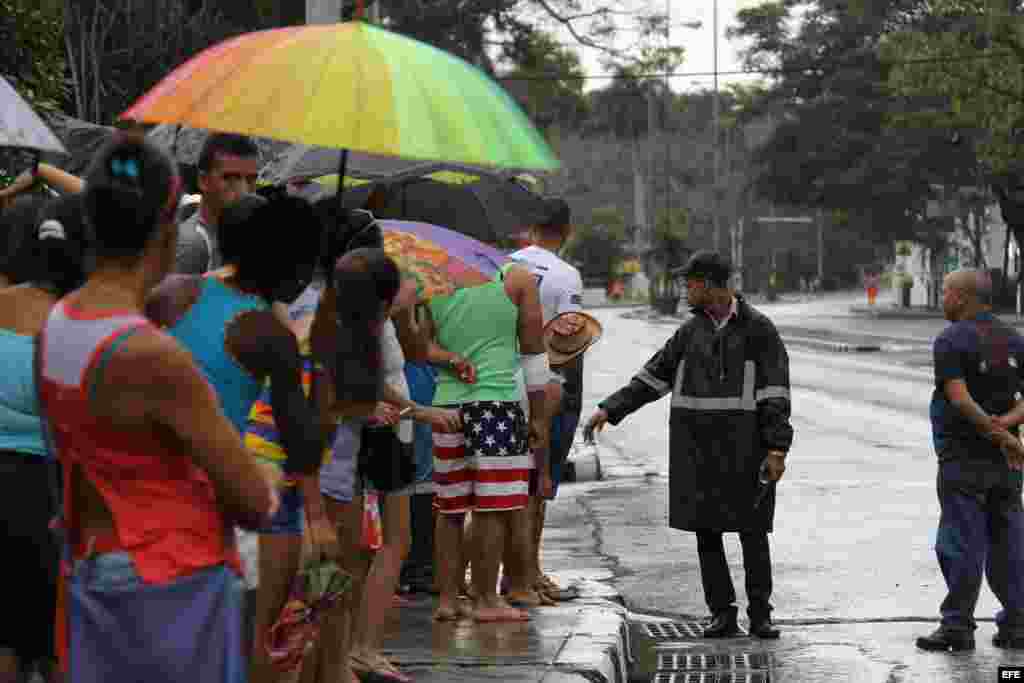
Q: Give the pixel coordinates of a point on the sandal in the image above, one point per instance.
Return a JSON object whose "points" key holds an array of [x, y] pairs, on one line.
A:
{"points": [[378, 671]]}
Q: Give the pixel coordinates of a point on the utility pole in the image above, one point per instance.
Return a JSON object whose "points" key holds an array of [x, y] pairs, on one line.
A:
{"points": [[821, 248], [651, 207], [323, 11], [715, 203]]}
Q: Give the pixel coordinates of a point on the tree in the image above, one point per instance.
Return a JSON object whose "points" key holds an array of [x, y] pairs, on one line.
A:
{"points": [[971, 54], [31, 53], [547, 80], [836, 144], [119, 49], [597, 244]]}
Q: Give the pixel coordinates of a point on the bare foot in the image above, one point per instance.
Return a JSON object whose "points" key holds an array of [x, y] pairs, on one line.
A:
{"points": [[446, 613], [523, 598], [500, 614]]}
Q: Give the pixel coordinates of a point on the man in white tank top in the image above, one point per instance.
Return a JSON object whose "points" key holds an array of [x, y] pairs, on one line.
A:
{"points": [[561, 291]]}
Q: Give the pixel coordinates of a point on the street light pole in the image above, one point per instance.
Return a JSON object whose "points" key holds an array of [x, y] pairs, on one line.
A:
{"points": [[715, 204]]}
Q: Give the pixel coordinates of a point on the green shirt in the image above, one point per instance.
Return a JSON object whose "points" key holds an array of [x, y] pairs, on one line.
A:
{"points": [[480, 324]]}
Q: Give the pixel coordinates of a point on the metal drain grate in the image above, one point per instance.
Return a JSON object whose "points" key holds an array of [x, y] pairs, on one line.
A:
{"points": [[674, 661], [678, 630], [711, 677]]}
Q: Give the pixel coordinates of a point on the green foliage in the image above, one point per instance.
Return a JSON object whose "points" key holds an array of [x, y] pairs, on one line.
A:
{"points": [[546, 79], [598, 244], [671, 232], [982, 83], [32, 51]]}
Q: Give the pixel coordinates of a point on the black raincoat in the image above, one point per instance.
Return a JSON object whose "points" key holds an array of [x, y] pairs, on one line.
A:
{"points": [[730, 406]]}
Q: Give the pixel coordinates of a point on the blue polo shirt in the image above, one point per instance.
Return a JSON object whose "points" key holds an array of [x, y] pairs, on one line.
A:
{"points": [[987, 355]]}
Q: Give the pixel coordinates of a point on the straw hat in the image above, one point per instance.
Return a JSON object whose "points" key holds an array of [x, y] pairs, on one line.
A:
{"points": [[563, 348]]}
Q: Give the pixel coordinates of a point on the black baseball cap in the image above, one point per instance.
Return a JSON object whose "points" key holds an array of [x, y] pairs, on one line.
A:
{"points": [[556, 213], [710, 266]]}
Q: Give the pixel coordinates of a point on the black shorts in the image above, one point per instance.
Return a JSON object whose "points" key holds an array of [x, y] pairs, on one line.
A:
{"points": [[28, 503]]}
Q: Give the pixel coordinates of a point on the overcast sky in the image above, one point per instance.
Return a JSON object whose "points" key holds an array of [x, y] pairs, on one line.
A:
{"points": [[699, 43]]}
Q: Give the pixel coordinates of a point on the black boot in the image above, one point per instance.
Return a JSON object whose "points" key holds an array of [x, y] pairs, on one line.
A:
{"points": [[723, 625], [762, 627], [944, 640], [1008, 641]]}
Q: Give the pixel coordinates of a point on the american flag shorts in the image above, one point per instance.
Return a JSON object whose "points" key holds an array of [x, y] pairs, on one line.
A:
{"points": [[486, 466]]}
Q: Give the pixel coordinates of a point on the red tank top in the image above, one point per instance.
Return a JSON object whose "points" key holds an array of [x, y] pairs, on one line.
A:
{"points": [[164, 506]]}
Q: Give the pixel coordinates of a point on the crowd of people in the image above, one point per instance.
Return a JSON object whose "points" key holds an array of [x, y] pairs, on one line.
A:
{"points": [[201, 398]]}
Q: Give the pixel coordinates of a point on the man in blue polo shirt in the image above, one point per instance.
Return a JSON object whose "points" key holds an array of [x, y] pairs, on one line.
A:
{"points": [[975, 410]]}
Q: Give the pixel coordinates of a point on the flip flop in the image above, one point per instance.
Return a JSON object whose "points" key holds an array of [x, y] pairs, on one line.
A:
{"points": [[367, 674], [500, 615]]}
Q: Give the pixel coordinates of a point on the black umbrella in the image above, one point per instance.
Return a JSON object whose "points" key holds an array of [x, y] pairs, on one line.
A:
{"points": [[487, 206]]}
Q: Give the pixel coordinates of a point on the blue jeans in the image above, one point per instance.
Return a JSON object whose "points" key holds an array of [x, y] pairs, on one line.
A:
{"points": [[981, 533], [563, 432]]}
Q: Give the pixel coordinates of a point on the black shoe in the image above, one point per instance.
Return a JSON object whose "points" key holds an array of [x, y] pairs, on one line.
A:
{"points": [[763, 628], [723, 625], [1008, 641], [942, 640]]}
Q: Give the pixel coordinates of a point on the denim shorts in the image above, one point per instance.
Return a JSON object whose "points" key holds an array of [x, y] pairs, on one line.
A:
{"points": [[288, 520]]}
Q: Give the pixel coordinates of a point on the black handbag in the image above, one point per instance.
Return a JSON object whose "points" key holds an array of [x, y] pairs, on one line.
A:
{"points": [[384, 461]]}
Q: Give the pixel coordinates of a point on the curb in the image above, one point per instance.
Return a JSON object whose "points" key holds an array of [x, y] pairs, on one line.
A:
{"points": [[598, 650], [839, 347]]}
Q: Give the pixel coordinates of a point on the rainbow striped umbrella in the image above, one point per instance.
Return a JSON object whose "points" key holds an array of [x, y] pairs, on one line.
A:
{"points": [[352, 86]]}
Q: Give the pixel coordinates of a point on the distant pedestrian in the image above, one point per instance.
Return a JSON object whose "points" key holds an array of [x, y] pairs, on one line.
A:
{"points": [[728, 373], [975, 410], [871, 282]]}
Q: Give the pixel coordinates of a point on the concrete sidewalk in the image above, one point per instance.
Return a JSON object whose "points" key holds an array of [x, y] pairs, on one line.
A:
{"points": [[586, 639]]}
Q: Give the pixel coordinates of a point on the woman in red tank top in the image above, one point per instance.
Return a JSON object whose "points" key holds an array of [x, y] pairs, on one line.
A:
{"points": [[155, 475]]}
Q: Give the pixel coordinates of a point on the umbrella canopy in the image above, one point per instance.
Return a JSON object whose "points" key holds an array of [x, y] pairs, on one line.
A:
{"points": [[81, 139], [441, 261], [303, 161], [486, 206], [20, 126], [186, 144], [353, 86]]}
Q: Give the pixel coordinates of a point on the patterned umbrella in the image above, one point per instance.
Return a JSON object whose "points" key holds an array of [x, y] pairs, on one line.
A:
{"points": [[441, 260], [21, 127]]}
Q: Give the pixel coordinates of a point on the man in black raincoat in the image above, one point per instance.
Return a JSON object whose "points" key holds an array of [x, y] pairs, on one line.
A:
{"points": [[728, 374]]}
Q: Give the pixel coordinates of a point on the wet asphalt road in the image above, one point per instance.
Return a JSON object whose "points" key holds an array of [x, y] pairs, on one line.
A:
{"points": [[855, 571]]}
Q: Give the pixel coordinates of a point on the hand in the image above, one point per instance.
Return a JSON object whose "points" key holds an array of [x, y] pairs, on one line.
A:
{"points": [[274, 478], [596, 424], [547, 487], [272, 474], [775, 465], [1000, 422], [463, 369], [444, 419], [568, 324], [324, 538], [384, 414]]}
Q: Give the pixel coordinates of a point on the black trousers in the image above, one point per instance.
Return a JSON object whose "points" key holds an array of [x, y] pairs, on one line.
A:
{"points": [[719, 592], [419, 566]]}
